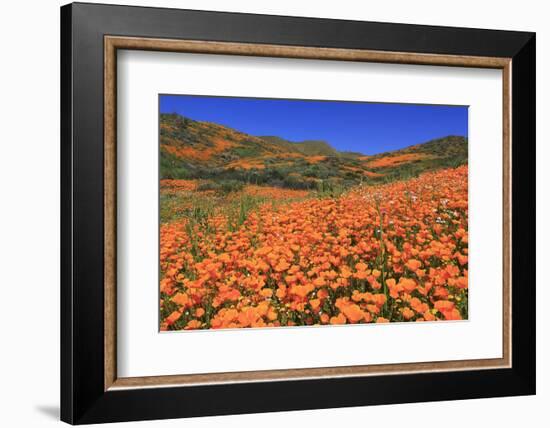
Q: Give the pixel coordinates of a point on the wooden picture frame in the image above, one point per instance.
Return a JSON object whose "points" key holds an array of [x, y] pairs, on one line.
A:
{"points": [[91, 390]]}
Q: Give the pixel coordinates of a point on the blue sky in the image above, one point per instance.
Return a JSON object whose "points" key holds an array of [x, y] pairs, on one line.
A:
{"points": [[363, 127]]}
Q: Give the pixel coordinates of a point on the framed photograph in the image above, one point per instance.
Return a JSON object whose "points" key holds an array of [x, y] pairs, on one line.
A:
{"points": [[265, 213]]}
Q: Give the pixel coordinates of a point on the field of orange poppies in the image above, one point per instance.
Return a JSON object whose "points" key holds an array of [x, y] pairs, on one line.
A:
{"points": [[259, 256]]}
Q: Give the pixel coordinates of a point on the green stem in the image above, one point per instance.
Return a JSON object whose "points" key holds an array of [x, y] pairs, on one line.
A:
{"points": [[384, 258]]}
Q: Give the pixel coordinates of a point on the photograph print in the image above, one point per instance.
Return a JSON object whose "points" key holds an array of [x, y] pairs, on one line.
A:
{"points": [[281, 213]]}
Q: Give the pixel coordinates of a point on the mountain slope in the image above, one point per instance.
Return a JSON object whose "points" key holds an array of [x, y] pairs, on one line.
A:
{"points": [[307, 147], [450, 151], [210, 143], [193, 149]]}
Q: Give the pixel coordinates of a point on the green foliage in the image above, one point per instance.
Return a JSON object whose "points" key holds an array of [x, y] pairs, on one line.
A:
{"points": [[228, 186], [221, 186], [297, 182], [317, 171], [330, 188], [207, 185], [240, 211], [246, 151], [172, 167]]}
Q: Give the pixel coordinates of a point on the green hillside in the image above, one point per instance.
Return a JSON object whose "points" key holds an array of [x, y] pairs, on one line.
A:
{"points": [[308, 147]]}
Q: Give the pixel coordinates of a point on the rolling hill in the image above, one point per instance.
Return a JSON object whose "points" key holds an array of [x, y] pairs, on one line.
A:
{"points": [[308, 147], [201, 150]]}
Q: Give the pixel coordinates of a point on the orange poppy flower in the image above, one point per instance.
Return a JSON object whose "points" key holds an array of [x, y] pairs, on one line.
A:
{"points": [[414, 265], [193, 324], [407, 313], [173, 317], [339, 319], [266, 292], [353, 313], [181, 299], [408, 284]]}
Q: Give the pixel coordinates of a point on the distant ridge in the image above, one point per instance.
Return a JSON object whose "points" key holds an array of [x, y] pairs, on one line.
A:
{"points": [[307, 147]]}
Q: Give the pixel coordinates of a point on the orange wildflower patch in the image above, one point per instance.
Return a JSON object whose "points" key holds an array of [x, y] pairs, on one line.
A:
{"points": [[316, 159], [274, 193], [396, 252], [247, 164], [218, 145], [395, 160], [182, 185]]}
